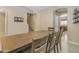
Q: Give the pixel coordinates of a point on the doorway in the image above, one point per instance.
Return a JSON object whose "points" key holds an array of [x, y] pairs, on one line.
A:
{"points": [[61, 20], [2, 22], [31, 21]]}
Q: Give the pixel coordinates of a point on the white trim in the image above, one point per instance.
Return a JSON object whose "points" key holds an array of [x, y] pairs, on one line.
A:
{"points": [[6, 22], [75, 43]]}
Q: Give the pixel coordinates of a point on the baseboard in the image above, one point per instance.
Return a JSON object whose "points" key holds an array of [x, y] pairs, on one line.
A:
{"points": [[75, 43]]}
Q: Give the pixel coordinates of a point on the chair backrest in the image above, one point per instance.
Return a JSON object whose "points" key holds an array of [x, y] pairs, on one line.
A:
{"points": [[61, 32], [59, 35], [51, 43], [39, 42], [50, 29]]}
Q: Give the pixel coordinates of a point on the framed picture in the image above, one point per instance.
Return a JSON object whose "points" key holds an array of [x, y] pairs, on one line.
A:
{"points": [[18, 19]]}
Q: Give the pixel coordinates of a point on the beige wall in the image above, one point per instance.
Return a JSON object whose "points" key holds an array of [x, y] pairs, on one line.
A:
{"points": [[46, 19], [37, 21], [2, 22], [73, 31]]}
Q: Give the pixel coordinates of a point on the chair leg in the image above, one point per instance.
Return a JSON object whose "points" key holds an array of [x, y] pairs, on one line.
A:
{"points": [[33, 46], [54, 50], [57, 48], [46, 51], [49, 47], [60, 45]]}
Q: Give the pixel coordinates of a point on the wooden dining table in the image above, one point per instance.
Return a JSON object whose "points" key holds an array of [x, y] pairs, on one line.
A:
{"points": [[13, 42]]}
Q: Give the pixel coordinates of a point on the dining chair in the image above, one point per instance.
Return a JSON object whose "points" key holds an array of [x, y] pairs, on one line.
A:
{"points": [[51, 30], [55, 41], [39, 45], [61, 32], [51, 43], [58, 39]]}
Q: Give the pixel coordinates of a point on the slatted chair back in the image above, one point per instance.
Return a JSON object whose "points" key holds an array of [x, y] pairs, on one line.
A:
{"points": [[51, 43], [58, 38], [50, 29]]}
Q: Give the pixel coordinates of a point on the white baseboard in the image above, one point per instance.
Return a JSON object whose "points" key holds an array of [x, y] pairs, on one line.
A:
{"points": [[75, 43]]}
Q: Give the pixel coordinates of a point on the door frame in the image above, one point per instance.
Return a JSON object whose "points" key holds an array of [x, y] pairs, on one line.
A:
{"points": [[5, 21]]}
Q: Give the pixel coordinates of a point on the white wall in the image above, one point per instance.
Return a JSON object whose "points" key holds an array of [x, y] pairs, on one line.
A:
{"points": [[15, 27]]}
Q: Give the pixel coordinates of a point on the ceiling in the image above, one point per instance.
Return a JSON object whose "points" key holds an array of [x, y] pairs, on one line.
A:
{"points": [[37, 8], [61, 11]]}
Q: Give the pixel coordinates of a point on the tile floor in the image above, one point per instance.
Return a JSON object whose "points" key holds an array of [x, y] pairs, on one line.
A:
{"points": [[64, 43]]}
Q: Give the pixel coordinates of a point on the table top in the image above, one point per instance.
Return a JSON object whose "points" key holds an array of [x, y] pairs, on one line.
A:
{"points": [[12, 42]]}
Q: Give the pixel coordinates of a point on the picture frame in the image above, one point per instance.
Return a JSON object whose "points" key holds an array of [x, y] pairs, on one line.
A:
{"points": [[18, 19]]}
